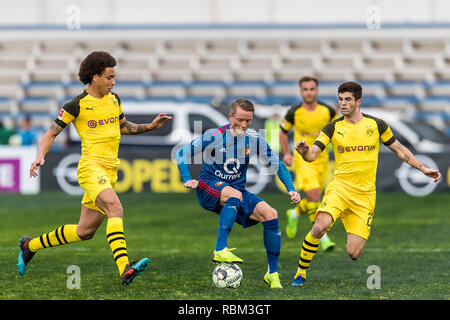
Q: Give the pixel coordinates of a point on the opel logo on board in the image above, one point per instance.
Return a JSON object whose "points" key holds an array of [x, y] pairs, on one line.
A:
{"points": [[66, 174], [413, 181]]}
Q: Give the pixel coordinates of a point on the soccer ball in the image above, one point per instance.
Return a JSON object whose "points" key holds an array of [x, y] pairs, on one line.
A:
{"points": [[227, 275]]}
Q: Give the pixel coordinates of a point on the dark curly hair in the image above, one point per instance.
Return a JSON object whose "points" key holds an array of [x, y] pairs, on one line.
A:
{"points": [[353, 87], [95, 63]]}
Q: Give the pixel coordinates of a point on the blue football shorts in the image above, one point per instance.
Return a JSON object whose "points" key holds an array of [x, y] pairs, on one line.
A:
{"points": [[208, 195]]}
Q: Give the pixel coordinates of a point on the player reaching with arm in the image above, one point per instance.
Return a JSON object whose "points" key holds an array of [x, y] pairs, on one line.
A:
{"points": [[351, 195], [221, 185], [98, 118]]}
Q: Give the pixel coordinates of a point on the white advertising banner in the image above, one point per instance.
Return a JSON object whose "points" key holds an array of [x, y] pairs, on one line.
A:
{"points": [[15, 165]]}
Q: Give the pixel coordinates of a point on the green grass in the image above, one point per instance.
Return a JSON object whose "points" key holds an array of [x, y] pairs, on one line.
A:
{"points": [[409, 242]]}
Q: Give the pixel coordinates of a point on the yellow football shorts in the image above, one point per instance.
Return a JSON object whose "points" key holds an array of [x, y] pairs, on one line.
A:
{"points": [[309, 175], [356, 210], [94, 179]]}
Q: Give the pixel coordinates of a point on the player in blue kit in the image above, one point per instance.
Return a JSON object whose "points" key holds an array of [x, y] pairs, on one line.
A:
{"points": [[221, 185]]}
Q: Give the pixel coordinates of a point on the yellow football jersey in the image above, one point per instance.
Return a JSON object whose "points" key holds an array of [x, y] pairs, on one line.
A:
{"points": [[97, 123], [355, 149], [307, 124]]}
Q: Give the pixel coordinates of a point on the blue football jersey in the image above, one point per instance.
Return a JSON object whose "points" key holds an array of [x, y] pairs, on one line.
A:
{"points": [[226, 157]]}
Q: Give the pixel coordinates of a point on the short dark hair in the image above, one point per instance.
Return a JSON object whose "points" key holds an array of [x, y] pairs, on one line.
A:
{"points": [[243, 104], [95, 63], [307, 79], [352, 87]]}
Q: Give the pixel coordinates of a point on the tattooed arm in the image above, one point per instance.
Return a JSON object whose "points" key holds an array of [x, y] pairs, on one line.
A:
{"points": [[127, 127], [406, 155], [44, 146]]}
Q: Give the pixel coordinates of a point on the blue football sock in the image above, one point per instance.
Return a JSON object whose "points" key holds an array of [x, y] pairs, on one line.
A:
{"points": [[272, 242], [226, 221]]}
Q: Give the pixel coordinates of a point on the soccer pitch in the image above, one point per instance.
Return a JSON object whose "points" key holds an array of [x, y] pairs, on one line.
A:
{"points": [[409, 246]]}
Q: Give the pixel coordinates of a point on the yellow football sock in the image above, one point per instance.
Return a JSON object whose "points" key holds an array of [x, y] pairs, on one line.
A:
{"points": [[62, 235], [300, 208], [309, 249], [116, 239], [305, 206], [311, 208]]}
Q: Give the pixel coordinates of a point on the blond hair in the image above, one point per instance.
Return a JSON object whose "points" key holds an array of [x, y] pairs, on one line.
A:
{"points": [[243, 104]]}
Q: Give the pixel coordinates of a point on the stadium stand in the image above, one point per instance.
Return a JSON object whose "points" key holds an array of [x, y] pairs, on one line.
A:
{"points": [[399, 71]]}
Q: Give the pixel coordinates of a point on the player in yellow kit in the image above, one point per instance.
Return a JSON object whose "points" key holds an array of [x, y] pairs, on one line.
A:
{"points": [[351, 195], [307, 119], [98, 118]]}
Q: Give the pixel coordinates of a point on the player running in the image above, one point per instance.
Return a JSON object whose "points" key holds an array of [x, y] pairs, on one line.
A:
{"points": [[351, 195], [221, 185], [98, 118], [307, 119]]}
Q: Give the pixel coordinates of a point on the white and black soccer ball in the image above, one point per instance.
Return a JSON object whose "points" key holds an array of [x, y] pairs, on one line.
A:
{"points": [[227, 275]]}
